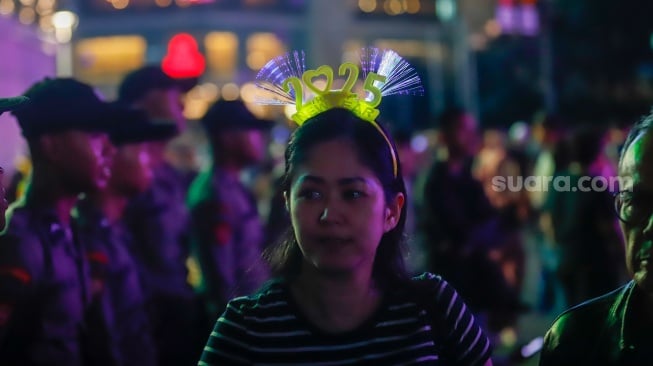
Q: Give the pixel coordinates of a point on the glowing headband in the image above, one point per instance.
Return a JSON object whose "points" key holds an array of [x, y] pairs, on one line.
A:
{"points": [[287, 81]]}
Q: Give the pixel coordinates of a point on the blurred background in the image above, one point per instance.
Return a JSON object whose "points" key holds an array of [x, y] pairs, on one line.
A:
{"points": [[506, 62], [502, 60]]}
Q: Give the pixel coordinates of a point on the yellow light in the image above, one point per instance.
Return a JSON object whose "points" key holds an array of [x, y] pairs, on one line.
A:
{"points": [[26, 15], [221, 53], [492, 28], [413, 6], [7, 7], [230, 91], [393, 7], [367, 6], [248, 92], [210, 91], [289, 110], [256, 60], [195, 108], [163, 3], [45, 22], [120, 4]]}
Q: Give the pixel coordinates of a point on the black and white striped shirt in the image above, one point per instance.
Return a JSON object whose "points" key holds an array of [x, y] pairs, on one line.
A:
{"points": [[269, 329]]}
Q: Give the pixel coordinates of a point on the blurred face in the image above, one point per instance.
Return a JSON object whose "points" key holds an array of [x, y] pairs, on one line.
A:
{"points": [[338, 209], [637, 169], [131, 171], [245, 146], [83, 159], [165, 104], [463, 139], [3, 200]]}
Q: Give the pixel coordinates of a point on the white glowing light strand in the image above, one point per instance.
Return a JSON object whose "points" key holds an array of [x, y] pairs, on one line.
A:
{"points": [[401, 77], [271, 77]]}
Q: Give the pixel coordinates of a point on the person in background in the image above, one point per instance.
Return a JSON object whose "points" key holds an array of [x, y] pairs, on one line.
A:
{"points": [[617, 328], [44, 278], [341, 294], [118, 301], [454, 201], [7, 104], [159, 221], [228, 235], [583, 225]]}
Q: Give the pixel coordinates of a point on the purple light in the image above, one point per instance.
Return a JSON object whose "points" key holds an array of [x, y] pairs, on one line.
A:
{"points": [[530, 21], [505, 15]]}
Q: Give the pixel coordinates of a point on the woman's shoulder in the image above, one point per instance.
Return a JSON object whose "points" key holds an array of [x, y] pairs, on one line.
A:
{"points": [[270, 294]]}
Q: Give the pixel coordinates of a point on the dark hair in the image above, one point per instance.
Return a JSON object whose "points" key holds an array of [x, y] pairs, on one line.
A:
{"points": [[373, 151], [643, 125]]}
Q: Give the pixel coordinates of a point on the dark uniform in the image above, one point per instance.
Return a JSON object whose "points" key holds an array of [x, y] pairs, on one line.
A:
{"points": [[158, 221], [44, 277], [227, 238], [44, 290], [116, 289]]}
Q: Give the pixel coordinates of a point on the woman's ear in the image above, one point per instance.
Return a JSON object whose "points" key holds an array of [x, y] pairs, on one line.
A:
{"points": [[393, 212]]}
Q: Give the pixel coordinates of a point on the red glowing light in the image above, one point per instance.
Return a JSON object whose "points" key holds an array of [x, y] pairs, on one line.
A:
{"points": [[183, 60]]}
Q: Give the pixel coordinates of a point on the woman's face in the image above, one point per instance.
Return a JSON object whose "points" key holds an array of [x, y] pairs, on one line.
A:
{"points": [[338, 209]]}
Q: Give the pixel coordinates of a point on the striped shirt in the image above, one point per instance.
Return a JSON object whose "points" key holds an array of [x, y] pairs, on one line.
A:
{"points": [[269, 329]]}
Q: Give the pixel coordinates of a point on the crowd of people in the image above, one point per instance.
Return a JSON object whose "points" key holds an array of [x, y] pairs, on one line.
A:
{"points": [[370, 251]]}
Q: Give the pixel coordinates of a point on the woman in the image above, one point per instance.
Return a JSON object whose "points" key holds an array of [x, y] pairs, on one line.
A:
{"points": [[341, 294]]}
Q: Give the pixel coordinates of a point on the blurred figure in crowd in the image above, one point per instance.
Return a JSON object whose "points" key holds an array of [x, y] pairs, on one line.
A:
{"points": [[159, 221], [454, 201], [550, 155], [227, 235], [7, 104], [494, 253], [44, 278], [116, 291], [616, 328], [583, 224]]}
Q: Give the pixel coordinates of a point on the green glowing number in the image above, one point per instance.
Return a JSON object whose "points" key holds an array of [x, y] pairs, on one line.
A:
{"points": [[351, 71], [297, 87], [369, 86]]}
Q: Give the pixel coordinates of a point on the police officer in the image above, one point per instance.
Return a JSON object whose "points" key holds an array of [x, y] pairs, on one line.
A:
{"points": [[7, 104], [117, 294], [227, 233], [43, 275], [159, 222]]}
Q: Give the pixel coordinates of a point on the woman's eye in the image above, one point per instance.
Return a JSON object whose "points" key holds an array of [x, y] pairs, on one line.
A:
{"points": [[311, 195], [353, 194]]}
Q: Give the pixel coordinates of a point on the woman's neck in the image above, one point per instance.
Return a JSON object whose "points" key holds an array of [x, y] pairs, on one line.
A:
{"points": [[336, 303]]}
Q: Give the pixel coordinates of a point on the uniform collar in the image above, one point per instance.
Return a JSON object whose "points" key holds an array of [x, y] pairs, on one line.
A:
{"points": [[621, 314]]}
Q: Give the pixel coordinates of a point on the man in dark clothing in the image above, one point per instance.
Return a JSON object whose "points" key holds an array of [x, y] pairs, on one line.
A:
{"points": [[454, 201], [44, 279], [159, 222], [617, 328], [228, 236], [117, 294]]}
